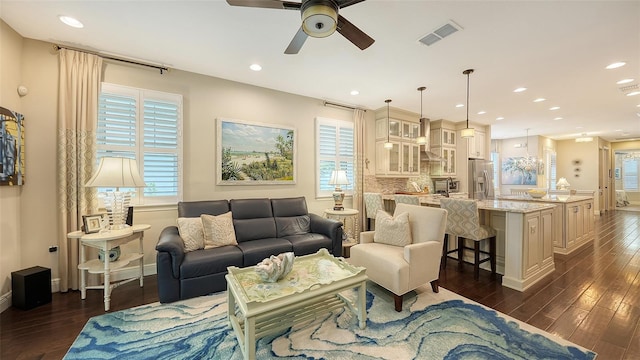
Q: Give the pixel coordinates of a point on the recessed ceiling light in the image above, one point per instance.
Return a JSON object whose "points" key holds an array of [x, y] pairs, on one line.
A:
{"points": [[624, 81], [481, 112], [255, 67], [558, 118], [554, 108], [579, 127], [539, 100], [460, 105], [73, 22], [616, 65], [354, 92], [633, 93], [520, 89], [499, 118]]}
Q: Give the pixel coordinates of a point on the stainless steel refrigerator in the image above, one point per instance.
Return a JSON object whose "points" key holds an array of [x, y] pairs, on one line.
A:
{"points": [[481, 180]]}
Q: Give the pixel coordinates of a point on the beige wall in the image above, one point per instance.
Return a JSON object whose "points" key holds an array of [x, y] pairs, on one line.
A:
{"points": [[29, 213], [10, 209]]}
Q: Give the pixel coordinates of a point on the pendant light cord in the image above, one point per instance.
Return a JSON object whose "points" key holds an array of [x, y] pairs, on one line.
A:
{"points": [[468, 73], [388, 120]]}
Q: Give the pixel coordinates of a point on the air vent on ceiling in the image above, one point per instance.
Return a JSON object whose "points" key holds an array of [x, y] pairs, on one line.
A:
{"points": [[440, 33]]}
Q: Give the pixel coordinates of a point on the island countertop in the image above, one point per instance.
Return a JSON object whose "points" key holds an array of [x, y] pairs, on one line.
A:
{"points": [[495, 205], [564, 199]]}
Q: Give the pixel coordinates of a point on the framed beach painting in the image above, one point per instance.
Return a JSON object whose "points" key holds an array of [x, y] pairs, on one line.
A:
{"points": [[255, 153]]}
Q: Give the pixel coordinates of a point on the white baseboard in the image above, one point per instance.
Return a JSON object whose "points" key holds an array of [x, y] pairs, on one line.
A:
{"points": [[5, 301]]}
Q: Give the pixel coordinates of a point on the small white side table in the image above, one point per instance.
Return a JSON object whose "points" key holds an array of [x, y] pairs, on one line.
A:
{"points": [[350, 226], [106, 241]]}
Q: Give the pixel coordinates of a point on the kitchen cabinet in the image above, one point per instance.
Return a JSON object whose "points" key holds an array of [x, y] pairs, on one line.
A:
{"points": [[410, 130], [446, 167], [410, 159], [443, 137], [538, 242], [476, 145], [394, 129], [388, 160]]}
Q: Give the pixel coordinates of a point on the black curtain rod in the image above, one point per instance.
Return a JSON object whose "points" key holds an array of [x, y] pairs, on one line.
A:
{"points": [[342, 106], [161, 68]]}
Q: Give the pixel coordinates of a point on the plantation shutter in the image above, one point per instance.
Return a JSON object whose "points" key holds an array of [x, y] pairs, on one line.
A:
{"points": [[334, 139], [630, 174], [143, 125]]}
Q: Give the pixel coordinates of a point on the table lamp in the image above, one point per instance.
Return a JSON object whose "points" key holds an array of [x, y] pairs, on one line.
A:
{"points": [[338, 177], [562, 184], [114, 172]]}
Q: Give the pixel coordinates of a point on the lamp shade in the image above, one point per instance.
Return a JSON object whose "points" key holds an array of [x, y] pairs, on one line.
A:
{"points": [[114, 172], [562, 184], [338, 177]]}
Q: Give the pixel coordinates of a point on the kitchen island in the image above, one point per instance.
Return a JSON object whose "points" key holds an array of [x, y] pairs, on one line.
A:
{"points": [[573, 219], [525, 238]]}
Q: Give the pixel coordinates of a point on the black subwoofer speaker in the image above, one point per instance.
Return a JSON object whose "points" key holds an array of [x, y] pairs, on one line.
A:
{"points": [[30, 287]]}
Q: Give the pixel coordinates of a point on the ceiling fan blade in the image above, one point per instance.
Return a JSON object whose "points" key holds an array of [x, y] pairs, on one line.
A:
{"points": [[269, 4], [344, 3], [353, 34], [296, 43]]}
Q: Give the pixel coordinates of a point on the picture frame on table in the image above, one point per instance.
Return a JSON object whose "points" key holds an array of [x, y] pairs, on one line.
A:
{"points": [[94, 223], [250, 153]]}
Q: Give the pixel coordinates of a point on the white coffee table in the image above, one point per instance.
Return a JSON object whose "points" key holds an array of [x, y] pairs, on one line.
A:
{"points": [[258, 308]]}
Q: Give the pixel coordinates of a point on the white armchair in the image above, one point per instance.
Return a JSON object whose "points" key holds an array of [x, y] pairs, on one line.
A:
{"points": [[402, 269]]}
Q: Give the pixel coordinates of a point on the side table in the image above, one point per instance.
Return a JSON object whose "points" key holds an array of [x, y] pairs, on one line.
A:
{"points": [[350, 223], [106, 241]]}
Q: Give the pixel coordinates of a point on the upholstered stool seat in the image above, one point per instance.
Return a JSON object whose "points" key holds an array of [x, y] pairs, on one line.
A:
{"points": [[406, 199], [372, 203], [463, 222]]}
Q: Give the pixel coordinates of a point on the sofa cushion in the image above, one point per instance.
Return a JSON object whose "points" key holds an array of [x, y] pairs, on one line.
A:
{"points": [[309, 243], [257, 250], [252, 219], [218, 230], [210, 261], [392, 230], [293, 225], [197, 208], [191, 232], [289, 207]]}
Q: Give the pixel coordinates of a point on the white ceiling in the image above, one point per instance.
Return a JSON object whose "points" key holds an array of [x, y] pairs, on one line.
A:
{"points": [[557, 49]]}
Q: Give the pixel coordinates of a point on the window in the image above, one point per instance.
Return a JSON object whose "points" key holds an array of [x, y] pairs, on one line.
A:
{"points": [[552, 172], [334, 150], [495, 159], [144, 125], [630, 174]]}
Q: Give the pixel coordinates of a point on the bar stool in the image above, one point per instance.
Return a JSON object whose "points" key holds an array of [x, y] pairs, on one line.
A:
{"points": [[463, 222], [406, 199], [372, 203]]}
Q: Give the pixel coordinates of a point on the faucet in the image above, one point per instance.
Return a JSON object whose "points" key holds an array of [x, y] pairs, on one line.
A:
{"points": [[448, 185]]}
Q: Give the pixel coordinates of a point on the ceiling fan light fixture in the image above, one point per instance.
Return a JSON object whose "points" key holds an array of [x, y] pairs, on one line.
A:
{"points": [[319, 19]]}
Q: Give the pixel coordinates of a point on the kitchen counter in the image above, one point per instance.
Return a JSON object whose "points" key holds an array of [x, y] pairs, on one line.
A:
{"points": [[564, 199], [495, 205]]}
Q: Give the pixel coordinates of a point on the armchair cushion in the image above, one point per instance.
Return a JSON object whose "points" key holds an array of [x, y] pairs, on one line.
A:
{"points": [[392, 230], [218, 230], [190, 230]]}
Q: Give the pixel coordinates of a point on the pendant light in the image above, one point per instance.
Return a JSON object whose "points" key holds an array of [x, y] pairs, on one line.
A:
{"points": [[388, 145], [467, 132], [422, 139], [528, 163]]}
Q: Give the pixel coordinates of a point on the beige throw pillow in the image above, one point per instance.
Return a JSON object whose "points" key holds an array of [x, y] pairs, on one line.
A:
{"points": [[392, 231], [190, 230], [218, 230]]}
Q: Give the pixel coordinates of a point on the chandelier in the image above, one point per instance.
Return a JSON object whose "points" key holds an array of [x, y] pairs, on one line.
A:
{"points": [[528, 163]]}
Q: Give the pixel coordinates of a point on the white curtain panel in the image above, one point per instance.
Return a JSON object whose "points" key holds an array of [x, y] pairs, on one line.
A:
{"points": [[359, 130], [79, 88]]}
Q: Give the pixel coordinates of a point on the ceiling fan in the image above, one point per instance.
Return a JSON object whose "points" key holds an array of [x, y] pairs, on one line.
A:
{"points": [[320, 19]]}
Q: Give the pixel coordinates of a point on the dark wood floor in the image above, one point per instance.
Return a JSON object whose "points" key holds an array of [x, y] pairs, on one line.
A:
{"points": [[592, 299]]}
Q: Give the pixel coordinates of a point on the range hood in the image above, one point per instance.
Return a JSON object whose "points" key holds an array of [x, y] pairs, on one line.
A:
{"points": [[425, 154]]}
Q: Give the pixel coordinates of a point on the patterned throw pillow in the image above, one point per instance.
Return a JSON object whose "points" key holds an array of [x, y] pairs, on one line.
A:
{"points": [[392, 231], [218, 230], [190, 230]]}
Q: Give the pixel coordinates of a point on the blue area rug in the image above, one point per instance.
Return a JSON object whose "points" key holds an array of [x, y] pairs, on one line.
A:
{"points": [[431, 326]]}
